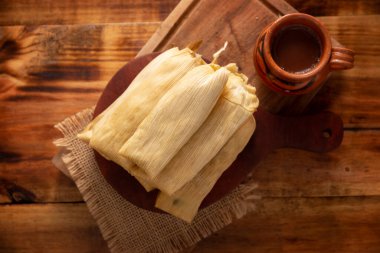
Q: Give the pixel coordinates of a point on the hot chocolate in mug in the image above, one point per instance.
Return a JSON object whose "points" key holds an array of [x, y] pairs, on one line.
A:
{"points": [[294, 55]]}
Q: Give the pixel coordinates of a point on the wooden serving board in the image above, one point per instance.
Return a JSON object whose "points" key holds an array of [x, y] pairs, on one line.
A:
{"points": [[319, 133], [215, 21]]}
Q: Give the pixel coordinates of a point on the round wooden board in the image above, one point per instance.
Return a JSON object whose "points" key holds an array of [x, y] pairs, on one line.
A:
{"points": [[271, 132]]}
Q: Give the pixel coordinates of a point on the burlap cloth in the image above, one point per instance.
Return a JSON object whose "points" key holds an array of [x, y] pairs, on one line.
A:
{"points": [[125, 227]]}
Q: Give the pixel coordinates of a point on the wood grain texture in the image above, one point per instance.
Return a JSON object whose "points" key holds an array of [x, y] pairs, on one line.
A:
{"points": [[351, 170], [117, 11], [279, 225], [33, 12], [50, 72], [336, 7], [49, 228], [303, 225], [174, 19], [69, 52]]}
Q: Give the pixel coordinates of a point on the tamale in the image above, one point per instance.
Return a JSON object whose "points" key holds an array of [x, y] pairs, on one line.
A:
{"points": [[185, 202], [111, 129], [236, 104], [177, 116]]}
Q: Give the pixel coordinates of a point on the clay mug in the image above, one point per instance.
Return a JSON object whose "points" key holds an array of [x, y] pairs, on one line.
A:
{"points": [[306, 81]]}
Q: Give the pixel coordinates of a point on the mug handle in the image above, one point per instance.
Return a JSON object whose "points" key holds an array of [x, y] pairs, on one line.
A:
{"points": [[341, 58]]}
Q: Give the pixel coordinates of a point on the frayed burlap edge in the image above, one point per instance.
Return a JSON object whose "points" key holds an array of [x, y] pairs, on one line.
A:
{"points": [[223, 212]]}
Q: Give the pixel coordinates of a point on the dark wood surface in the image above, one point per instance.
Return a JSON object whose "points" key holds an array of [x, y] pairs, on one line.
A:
{"points": [[53, 65]]}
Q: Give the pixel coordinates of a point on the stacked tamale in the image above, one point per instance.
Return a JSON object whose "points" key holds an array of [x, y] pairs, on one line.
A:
{"points": [[178, 127]]}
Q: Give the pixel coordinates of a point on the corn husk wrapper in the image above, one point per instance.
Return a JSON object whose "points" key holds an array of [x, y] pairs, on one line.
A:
{"points": [[185, 202], [166, 98], [236, 104], [174, 120], [112, 128]]}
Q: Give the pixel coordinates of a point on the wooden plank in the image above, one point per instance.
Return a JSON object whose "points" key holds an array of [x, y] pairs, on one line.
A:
{"points": [[49, 228], [317, 225], [279, 225], [116, 11], [69, 53], [336, 7], [351, 170], [168, 25], [33, 12]]}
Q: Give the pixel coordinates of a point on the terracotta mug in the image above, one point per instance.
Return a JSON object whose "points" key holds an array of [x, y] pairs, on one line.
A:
{"points": [[285, 82]]}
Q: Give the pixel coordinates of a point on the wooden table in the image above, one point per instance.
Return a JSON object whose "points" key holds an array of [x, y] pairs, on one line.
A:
{"points": [[57, 56]]}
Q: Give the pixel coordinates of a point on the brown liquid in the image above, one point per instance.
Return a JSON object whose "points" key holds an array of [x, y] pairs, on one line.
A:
{"points": [[296, 49]]}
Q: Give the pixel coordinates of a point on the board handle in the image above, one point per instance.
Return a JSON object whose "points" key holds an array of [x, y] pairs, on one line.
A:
{"points": [[320, 132]]}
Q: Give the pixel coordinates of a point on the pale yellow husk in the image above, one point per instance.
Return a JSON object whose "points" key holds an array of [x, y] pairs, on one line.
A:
{"points": [[177, 116], [178, 127], [111, 129], [185, 202], [233, 108]]}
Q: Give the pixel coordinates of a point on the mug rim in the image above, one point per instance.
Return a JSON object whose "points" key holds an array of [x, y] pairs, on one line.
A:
{"points": [[303, 20]]}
